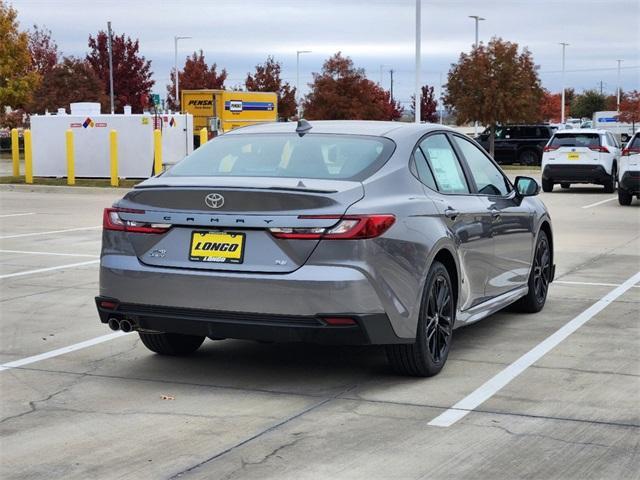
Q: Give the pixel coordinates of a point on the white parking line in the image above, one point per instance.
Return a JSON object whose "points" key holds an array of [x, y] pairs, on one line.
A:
{"points": [[61, 351], [49, 269], [600, 202], [50, 253], [16, 214], [20, 235], [495, 384], [591, 284]]}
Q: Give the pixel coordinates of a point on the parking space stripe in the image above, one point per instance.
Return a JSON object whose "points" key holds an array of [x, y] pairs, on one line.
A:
{"points": [[16, 214], [600, 202], [61, 351], [590, 284], [49, 269], [20, 235], [499, 381], [50, 253]]}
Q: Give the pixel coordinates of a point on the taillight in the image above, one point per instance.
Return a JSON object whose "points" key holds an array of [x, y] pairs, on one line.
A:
{"points": [[599, 148], [550, 148], [630, 151], [348, 227], [111, 221]]}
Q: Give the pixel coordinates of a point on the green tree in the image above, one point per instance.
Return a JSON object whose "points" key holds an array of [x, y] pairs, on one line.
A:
{"points": [[266, 78], [342, 92], [494, 84], [585, 104], [17, 77]]}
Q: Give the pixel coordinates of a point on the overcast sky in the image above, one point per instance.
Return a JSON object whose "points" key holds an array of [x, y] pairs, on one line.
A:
{"points": [[238, 34]]}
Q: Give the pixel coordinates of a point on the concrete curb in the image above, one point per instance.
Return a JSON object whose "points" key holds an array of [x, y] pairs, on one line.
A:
{"points": [[9, 187]]}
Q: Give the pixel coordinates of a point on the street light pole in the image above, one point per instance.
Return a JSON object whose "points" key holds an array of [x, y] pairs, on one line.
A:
{"points": [[564, 45], [477, 19], [418, 91], [110, 45], [298, 52], [175, 51], [618, 88]]}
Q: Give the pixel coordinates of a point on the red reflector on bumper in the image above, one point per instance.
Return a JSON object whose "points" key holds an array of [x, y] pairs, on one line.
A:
{"points": [[339, 321], [109, 305]]}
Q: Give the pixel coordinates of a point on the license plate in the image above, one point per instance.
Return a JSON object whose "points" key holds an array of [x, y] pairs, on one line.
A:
{"points": [[217, 247], [573, 156]]}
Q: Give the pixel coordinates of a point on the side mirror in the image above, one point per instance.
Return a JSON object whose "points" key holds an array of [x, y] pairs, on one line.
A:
{"points": [[526, 187]]}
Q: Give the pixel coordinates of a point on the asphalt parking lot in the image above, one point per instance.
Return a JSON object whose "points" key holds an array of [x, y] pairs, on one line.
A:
{"points": [[109, 408]]}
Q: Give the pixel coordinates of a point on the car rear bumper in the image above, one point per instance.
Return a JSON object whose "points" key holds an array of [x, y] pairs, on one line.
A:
{"points": [[575, 173], [630, 182], [271, 307]]}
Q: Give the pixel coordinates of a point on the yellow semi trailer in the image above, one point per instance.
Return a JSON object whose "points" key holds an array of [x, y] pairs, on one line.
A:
{"points": [[222, 110]]}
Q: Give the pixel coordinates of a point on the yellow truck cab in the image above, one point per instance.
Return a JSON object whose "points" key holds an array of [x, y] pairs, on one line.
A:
{"points": [[222, 110]]}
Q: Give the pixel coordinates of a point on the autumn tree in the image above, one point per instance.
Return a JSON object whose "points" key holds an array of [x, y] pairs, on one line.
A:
{"points": [[587, 103], [494, 84], [630, 108], [550, 104], [71, 80], [428, 105], [43, 50], [266, 78], [17, 77], [195, 75], [342, 92], [131, 71]]}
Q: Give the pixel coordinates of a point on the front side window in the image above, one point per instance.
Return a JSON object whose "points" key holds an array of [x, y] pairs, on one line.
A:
{"points": [[444, 164], [321, 156], [488, 177]]}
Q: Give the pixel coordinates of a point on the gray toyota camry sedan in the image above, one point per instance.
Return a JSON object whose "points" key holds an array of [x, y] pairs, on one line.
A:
{"points": [[337, 232]]}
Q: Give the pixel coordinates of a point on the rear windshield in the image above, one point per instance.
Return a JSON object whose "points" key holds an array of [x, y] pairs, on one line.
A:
{"points": [[339, 157], [576, 140]]}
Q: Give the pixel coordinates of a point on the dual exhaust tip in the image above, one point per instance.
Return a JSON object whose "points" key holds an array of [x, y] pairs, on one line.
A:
{"points": [[125, 325]]}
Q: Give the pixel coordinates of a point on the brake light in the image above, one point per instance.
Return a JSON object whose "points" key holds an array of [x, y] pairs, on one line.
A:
{"points": [[630, 151], [599, 148], [348, 227], [550, 148], [111, 221]]}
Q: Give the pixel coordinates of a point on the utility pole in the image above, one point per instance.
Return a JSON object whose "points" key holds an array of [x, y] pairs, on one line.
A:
{"points": [[298, 52], [440, 109], [175, 64], [110, 48], [618, 88], [478, 19], [391, 90], [564, 45], [417, 90]]}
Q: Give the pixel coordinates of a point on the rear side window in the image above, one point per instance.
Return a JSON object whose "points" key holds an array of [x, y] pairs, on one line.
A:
{"points": [[444, 164], [576, 140], [340, 157], [424, 171], [635, 142]]}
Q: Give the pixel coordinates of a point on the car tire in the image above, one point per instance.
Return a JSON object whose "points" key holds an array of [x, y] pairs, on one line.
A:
{"points": [[547, 185], [565, 185], [171, 343], [624, 197], [610, 185], [529, 158], [539, 278], [428, 354]]}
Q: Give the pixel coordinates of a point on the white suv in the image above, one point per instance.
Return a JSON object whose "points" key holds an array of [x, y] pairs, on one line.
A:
{"points": [[581, 156], [629, 172]]}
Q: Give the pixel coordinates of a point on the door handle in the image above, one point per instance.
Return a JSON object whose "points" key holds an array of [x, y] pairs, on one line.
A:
{"points": [[451, 213]]}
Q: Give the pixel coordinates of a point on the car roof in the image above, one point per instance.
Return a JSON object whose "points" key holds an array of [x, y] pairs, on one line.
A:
{"points": [[345, 127], [580, 130]]}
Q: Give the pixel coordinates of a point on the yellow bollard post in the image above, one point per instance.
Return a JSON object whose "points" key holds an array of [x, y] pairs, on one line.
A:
{"points": [[204, 136], [28, 157], [15, 152], [157, 152], [71, 171], [113, 143]]}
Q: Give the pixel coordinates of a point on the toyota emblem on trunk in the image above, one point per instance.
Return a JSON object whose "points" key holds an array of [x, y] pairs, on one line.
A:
{"points": [[214, 200]]}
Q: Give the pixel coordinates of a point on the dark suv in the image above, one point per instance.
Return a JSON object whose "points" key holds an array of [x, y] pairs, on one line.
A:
{"points": [[518, 143]]}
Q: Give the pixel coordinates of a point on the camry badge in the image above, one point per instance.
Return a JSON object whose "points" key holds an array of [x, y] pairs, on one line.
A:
{"points": [[214, 200]]}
